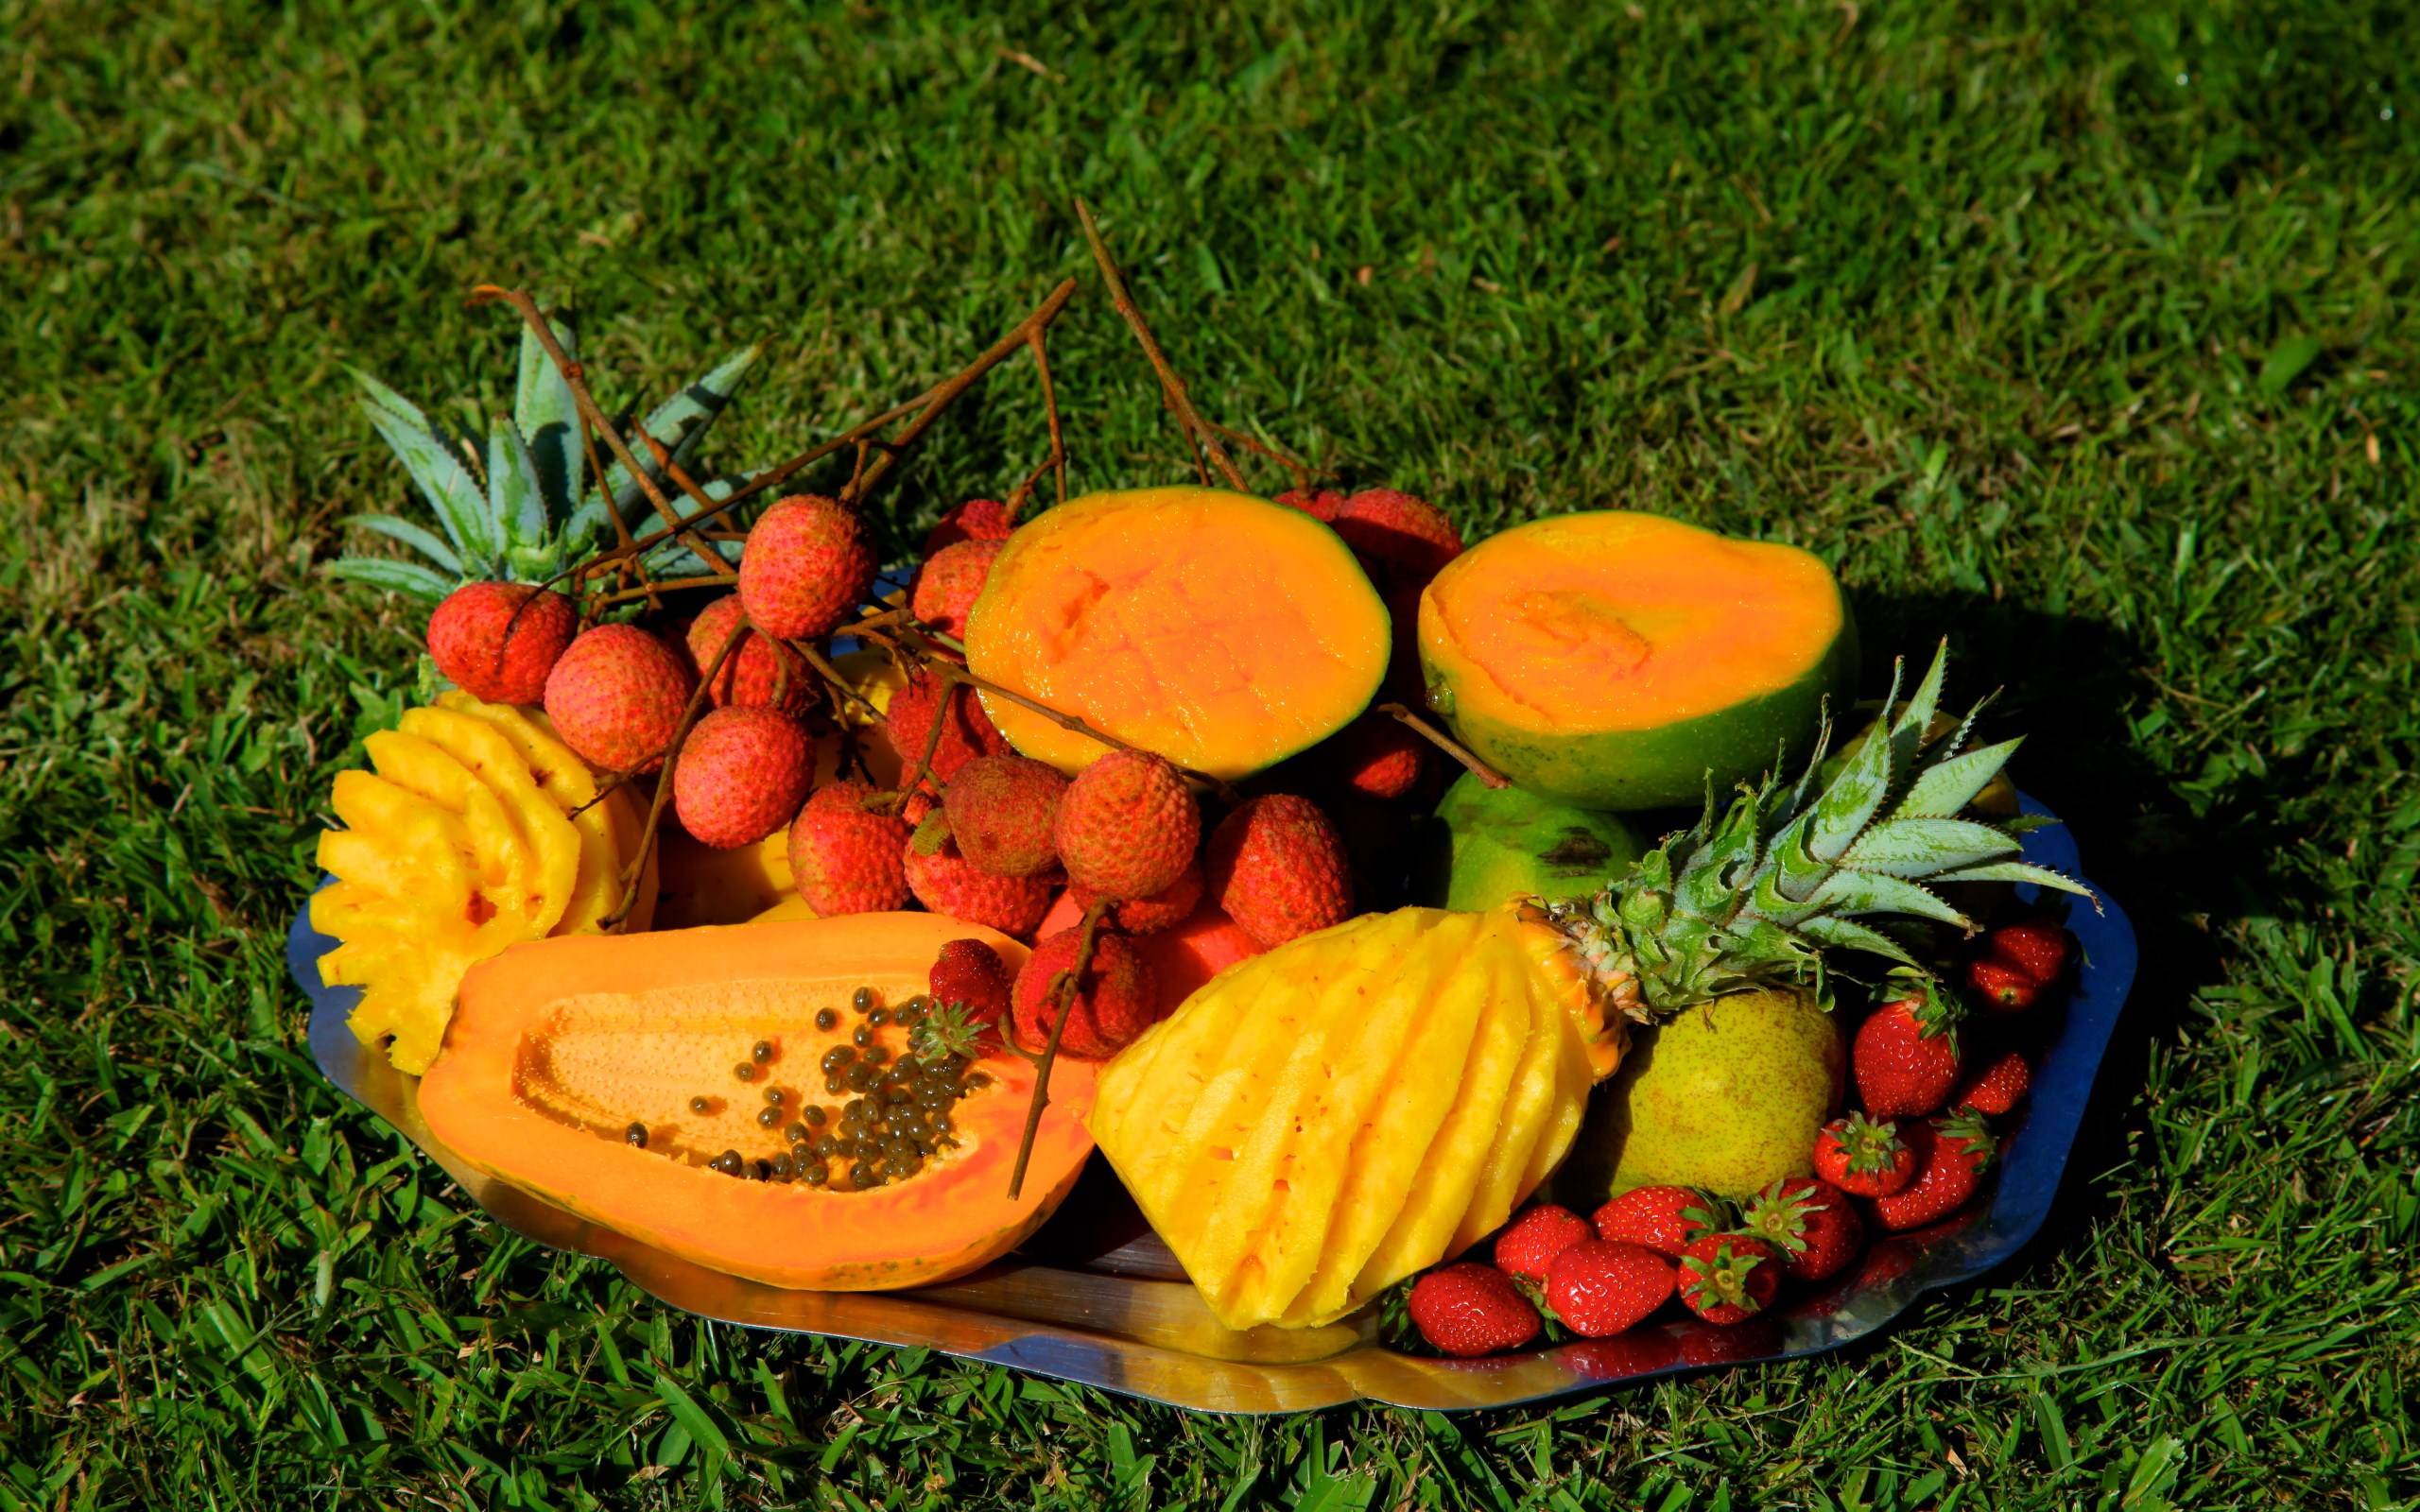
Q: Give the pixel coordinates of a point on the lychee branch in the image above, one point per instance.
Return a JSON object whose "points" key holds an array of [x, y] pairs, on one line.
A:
{"points": [[1446, 743], [1199, 436], [1063, 997], [1056, 462]]}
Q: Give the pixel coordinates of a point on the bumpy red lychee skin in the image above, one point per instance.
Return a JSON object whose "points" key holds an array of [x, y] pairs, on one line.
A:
{"points": [[1165, 909], [975, 519], [1402, 541], [970, 973], [1276, 866], [948, 583], [947, 882], [1128, 826], [1380, 756], [1319, 503], [616, 696], [742, 774], [807, 564], [1116, 999], [482, 649], [761, 674], [847, 860], [1000, 812], [966, 733]]}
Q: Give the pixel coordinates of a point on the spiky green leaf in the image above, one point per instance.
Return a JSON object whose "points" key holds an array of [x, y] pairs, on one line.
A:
{"points": [[1870, 892], [516, 498], [453, 495], [543, 407], [2020, 871], [1946, 787], [410, 535], [1925, 847], [1847, 933], [681, 424], [1851, 798], [396, 577], [1915, 721]]}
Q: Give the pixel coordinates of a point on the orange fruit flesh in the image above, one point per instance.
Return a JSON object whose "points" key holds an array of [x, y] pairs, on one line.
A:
{"points": [[1617, 621], [1222, 631]]}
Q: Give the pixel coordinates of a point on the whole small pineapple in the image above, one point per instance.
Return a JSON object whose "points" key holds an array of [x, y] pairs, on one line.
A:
{"points": [[519, 508], [1323, 1119]]}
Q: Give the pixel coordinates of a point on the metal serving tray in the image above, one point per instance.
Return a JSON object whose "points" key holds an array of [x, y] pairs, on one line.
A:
{"points": [[1094, 1298]]}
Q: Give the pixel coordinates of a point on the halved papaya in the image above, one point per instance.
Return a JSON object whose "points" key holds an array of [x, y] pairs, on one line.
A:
{"points": [[1220, 630], [1623, 661], [629, 1079]]}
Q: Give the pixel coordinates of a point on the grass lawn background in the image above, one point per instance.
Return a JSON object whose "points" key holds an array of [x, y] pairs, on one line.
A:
{"points": [[2084, 336]]}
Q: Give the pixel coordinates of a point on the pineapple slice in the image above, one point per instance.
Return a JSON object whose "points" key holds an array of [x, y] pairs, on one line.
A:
{"points": [[553, 854], [1549, 1093], [565, 778]]}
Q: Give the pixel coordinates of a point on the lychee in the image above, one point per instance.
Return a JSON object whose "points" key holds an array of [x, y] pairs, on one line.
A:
{"points": [[761, 674], [1127, 826], [975, 519], [806, 566], [482, 649], [1165, 909], [1319, 503], [970, 973], [742, 775], [947, 882], [1000, 811], [616, 696], [967, 732], [1276, 866], [1379, 756], [946, 587], [847, 859], [1116, 999], [1402, 541]]}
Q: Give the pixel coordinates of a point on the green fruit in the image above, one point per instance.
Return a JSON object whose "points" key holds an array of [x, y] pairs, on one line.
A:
{"points": [[1505, 842], [1726, 1097]]}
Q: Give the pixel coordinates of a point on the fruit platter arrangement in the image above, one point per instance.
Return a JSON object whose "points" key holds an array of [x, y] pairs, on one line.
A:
{"points": [[1252, 952]]}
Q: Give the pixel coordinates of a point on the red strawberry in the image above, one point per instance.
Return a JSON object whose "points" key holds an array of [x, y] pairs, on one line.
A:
{"points": [[1663, 1219], [1905, 1054], [1811, 1223], [1862, 1158], [1598, 1288], [1950, 1156], [1530, 1242], [971, 972], [1729, 1277], [2038, 946], [2002, 987], [1996, 1087], [1472, 1309]]}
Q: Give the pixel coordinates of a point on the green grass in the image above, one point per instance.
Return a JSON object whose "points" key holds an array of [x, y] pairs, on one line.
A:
{"points": [[2083, 336]]}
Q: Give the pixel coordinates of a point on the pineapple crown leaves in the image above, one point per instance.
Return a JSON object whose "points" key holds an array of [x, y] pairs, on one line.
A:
{"points": [[1752, 894], [518, 506]]}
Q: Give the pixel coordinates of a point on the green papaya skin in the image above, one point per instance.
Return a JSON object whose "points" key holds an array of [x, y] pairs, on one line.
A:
{"points": [[1505, 842], [1726, 1097]]}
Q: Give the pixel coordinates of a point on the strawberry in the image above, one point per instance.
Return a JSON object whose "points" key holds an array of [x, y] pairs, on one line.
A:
{"points": [[1598, 1288], [971, 972], [2002, 987], [1530, 1242], [1995, 1086], [1811, 1223], [1905, 1054], [2038, 946], [1663, 1219], [1472, 1309], [1950, 1156], [1862, 1158], [1729, 1277]]}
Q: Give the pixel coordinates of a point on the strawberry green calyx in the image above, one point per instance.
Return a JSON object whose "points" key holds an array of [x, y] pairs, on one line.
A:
{"points": [[1869, 1148], [1723, 1276], [1754, 896], [1968, 1128], [1781, 1216], [1936, 1012]]}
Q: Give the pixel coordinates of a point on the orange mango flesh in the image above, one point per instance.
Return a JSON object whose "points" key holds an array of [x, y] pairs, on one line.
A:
{"points": [[1615, 620], [1222, 631], [557, 1046]]}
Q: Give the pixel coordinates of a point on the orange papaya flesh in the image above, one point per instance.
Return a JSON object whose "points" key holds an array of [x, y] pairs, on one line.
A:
{"points": [[1622, 660], [557, 1048], [1220, 630]]}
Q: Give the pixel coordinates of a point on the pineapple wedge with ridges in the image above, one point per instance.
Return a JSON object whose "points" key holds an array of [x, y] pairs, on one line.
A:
{"points": [[499, 765], [1750, 896]]}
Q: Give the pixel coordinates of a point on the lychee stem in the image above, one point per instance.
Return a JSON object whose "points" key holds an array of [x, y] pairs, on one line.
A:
{"points": [[1014, 505], [637, 867], [1199, 436], [1446, 743], [1062, 994]]}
